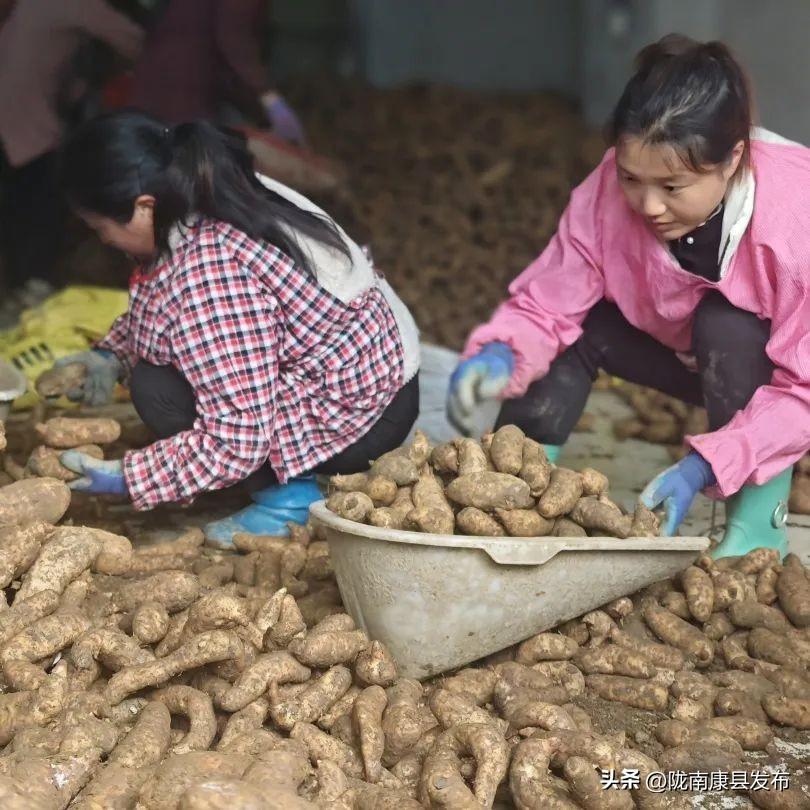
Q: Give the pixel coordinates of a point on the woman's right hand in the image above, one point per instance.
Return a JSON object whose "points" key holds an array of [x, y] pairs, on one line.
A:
{"points": [[103, 371], [477, 379]]}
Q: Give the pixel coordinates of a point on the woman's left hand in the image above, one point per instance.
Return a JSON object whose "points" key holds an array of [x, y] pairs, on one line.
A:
{"points": [[676, 488], [99, 477]]}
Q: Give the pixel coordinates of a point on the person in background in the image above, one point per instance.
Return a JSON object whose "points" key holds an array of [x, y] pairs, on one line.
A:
{"points": [[5, 10], [202, 52], [37, 44], [680, 264], [260, 344]]}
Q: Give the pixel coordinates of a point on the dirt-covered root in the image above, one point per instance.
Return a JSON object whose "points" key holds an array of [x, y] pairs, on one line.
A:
{"points": [[206, 648], [179, 772], [19, 547], [130, 763], [275, 667], [112, 648], [532, 784], [34, 499], [65, 432], [150, 622], [42, 639], [197, 708], [442, 768], [175, 590]]}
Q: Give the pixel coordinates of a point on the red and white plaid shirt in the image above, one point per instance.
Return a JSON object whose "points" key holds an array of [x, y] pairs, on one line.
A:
{"points": [[282, 370]]}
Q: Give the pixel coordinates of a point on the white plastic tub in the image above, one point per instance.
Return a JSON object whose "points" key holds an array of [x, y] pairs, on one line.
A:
{"points": [[12, 385], [441, 601]]}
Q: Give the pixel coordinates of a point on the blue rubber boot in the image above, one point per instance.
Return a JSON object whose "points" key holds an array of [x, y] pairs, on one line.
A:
{"points": [[553, 452], [273, 508], [756, 516]]}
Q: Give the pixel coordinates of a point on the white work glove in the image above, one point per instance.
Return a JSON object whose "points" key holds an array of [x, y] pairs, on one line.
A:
{"points": [[481, 377]]}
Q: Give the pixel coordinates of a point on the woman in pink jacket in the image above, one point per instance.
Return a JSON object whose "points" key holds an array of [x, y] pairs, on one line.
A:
{"points": [[681, 263]]}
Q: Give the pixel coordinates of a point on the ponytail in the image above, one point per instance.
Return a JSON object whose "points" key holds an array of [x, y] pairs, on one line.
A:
{"points": [[692, 96], [190, 169]]}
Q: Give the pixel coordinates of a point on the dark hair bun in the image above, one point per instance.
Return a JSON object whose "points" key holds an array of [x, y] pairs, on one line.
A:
{"points": [[690, 95]]}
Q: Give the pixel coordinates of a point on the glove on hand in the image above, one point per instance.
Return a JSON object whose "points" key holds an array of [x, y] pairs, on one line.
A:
{"points": [[103, 371], [285, 123], [99, 477], [676, 488], [477, 379]]}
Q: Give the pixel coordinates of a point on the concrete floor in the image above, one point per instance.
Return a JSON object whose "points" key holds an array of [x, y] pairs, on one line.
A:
{"points": [[629, 464]]}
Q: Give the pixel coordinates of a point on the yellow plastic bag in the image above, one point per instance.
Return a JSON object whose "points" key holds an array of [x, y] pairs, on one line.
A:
{"points": [[67, 322]]}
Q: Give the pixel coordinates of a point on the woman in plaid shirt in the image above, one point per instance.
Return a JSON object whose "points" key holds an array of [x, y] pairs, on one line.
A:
{"points": [[260, 345]]}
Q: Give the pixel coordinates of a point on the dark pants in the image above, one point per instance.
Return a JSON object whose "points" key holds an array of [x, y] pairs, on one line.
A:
{"points": [[165, 401], [32, 220], [728, 344]]}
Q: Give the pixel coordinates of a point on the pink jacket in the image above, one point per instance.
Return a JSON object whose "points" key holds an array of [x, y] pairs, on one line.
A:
{"points": [[604, 250]]}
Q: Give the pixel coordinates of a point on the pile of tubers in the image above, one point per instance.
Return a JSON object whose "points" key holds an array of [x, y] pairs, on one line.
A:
{"points": [[171, 676], [57, 435], [452, 189], [501, 486], [658, 418]]}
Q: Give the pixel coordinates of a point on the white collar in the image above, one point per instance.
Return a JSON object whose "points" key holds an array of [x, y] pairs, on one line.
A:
{"points": [[180, 232], [737, 215]]}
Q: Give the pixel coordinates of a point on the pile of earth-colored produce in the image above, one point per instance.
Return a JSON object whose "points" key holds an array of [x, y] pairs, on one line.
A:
{"points": [[455, 191], [170, 675], [658, 418], [503, 485]]}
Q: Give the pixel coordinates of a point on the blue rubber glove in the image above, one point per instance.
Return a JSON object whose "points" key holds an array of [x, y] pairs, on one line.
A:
{"points": [[676, 488], [481, 377], [99, 477], [103, 371], [285, 123]]}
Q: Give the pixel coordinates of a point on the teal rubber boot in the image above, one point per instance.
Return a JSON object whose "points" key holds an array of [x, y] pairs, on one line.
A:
{"points": [[553, 452], [756, 516], [273, 508]]}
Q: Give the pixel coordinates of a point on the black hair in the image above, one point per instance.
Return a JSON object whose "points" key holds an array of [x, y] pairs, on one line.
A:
{"points": [[193, 168], [692, 96]]}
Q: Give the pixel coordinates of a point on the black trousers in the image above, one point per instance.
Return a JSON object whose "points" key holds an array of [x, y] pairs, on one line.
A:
{"points": [[728, 344], [33, 214], [165, 401]]}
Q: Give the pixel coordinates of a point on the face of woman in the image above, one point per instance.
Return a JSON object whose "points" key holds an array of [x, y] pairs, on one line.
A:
{"points": [[673, 198], [136, 237]]}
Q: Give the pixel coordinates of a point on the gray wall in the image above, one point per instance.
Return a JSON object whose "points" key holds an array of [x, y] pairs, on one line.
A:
{"points": [[583, 48], [483, 44], [771, 39], [613, 31]]}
